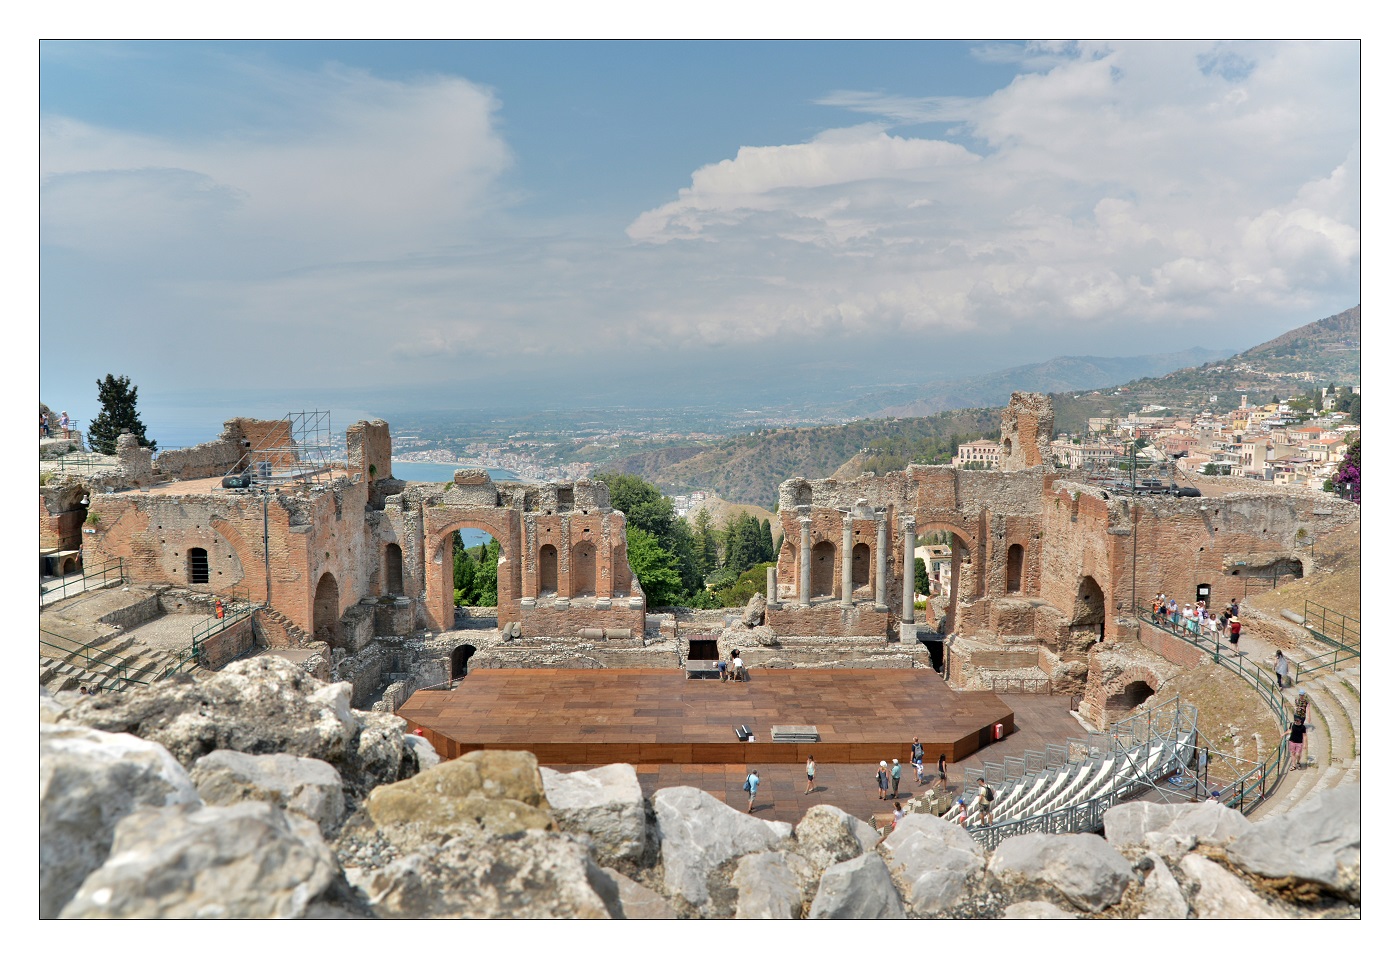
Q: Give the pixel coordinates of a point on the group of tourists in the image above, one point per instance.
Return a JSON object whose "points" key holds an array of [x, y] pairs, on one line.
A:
{"points": [[887, 775], [1196, 620], [63, 423], [1298, 730]]}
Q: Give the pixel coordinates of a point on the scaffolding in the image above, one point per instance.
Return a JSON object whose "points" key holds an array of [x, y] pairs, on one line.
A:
{"points": [[297, 449]]}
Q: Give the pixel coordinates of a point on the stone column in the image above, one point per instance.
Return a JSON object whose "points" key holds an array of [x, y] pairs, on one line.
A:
{"points": [[565, 569], [529, 564], [882, 545], [907, 614], [772, 586], [804, 581], [846, 536]]}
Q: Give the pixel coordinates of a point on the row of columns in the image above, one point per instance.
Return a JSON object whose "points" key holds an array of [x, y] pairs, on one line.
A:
{"points": [[882, 540]]}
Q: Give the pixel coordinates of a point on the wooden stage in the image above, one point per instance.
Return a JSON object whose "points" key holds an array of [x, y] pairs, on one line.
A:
{"points": [[599, 716]]}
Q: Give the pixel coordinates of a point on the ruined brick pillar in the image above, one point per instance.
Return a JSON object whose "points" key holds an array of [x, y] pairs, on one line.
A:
{"points": [[906, 615], [846, 580], [566, 566], [804, 576], [882, 547]]}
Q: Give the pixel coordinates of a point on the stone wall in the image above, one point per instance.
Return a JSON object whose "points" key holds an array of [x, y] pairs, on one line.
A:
{"points": [[228, 644]]}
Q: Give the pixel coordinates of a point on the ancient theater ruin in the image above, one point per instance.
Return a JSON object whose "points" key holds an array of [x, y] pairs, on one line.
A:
{"points": [[348, 570]]}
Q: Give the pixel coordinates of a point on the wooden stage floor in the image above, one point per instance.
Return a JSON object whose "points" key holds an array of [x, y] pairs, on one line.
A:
{"points": [[598, 716]]}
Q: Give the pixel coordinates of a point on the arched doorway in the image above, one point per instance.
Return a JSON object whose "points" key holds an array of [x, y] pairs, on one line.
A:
{"points": [[1087, 621], [942, 615], [860, 566], [460, 655], [1015, 559], [325, 622], [823, 569], [583, 559], [393, 570], [549, 570], [199, 565], [476, 559], [1133, 695]]}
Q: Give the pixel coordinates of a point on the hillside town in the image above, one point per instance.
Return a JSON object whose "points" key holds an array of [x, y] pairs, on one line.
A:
{"points": [[1289, 443]]}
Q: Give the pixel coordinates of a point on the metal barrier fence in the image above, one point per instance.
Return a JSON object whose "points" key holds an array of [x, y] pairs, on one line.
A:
{"points": [[113, 673], [1331, 627], [112, 572], [237, 609]]}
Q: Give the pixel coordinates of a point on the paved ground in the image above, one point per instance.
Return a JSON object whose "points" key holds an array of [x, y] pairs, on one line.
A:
{"points": [[782, 794]]}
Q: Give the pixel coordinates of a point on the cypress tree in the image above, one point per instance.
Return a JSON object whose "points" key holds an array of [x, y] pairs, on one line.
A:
{"points": [[117, 398]]}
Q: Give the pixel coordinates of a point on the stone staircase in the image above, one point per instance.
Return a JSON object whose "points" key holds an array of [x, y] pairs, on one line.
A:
{"points": [[1334, 741], [141, 665], [297, 636]]}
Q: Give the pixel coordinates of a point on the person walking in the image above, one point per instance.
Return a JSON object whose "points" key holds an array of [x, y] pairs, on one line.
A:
{"points": [[1297, 739], [1300, 707], [751, 787], [811, 773], [882, 778], [962, 813], [1235, 634], [1280, 667], [985, 797], [916, 759], [895, 770], [943, 769]]}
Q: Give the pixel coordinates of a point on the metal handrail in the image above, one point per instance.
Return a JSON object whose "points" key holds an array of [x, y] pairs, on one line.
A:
{"points": [[89, 656], [237, 609], [1330, 625], [104, 574]]}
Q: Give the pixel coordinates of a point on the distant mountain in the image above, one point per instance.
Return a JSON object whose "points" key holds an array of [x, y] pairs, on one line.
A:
{"points": [[1062, 374], [1329, 347]]}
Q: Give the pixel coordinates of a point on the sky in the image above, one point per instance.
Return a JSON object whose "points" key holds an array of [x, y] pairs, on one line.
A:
{"points": [[438, 225]]}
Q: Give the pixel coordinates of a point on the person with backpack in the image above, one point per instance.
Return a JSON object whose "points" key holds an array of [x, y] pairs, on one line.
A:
{"points": [[985, 797], [916, 759], [751, 787], [882, 778]]}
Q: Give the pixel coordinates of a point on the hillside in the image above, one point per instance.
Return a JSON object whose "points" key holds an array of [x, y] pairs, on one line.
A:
{"points": [[748, 469], [1330, 347], [1061, 374]]}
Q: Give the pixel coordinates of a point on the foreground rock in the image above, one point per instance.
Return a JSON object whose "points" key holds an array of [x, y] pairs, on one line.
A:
{"points": [[827, 835], [307, 787], [1172, 828], [604, 804], [699, 834], [250, 861], [1084, 869], [536, 875], [484, 794], [859, 888], [936, 861], [88, 781], [1313, 847], [258, 706]]}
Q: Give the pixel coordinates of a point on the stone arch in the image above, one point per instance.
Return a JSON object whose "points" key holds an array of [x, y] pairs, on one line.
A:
{"points": [[1088, 615], [548, 570], [197, 566], [1015, 563], [962, 551], [460, 655], [860, 566], [1133, 695], [439, 523], [393, 570], [325, 614], [823, 569]]}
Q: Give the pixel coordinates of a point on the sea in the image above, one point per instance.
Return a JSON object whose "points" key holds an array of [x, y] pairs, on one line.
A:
{"points": [[442, 473]]}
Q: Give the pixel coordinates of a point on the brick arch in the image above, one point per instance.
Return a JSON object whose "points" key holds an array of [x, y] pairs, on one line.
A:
{"points": [[1117, 695], [963, 540], [439, 523]]}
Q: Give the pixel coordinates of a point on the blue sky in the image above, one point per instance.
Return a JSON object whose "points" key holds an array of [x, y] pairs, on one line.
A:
{"points": [[652, 222]]}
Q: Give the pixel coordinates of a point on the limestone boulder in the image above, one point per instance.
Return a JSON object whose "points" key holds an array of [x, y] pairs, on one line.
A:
{"points": [[1174, 828], [249, 861], [935, 860], [605, 804], [1219, 894], [51, 708], [1084, 869], [765, 636], [535, 875], [827, 835], [1162, 897], [859, 888], [89, 781], [257, 706], [307, 787], [637, 901], [422, 750], [754, 611], [1037, 909], [1317, 844], [492, 793], [699, 833], [769, 885]]}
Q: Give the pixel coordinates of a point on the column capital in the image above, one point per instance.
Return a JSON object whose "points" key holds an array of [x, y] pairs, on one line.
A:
{"points": [[805, 520], [908, 521], [846, 520]]}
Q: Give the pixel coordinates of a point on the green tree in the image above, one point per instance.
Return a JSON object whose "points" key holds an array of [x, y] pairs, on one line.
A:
{"points": [[920, 576], [655, 568], [463, 571], [706, 548], [117, 397], [752, 580], [484, 578], [766, 539]]}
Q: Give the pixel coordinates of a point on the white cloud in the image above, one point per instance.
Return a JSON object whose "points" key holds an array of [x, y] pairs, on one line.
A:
{"points": [[1143, 180]]}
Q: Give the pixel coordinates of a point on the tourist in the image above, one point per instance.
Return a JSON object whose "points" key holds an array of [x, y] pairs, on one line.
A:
{"points": [[44, 424], [1300, 707], [741, 675], [1280, 667], [1174, 612], [916, 758], [811, 773], [82, 690], [882, 778], [63, 423], [962, 813], [218, 609], [1210, 627], [1235, 608], [1235, 634], [943, 769], [1297, 735], [985, 795], [1190, 617], [898, 815], [751, 787], [896, 770], [723, 666]]}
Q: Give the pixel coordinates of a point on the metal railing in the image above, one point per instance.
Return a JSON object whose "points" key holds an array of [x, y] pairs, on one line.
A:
{"points": [[112, 673], [237, 609], [1331, 627], [74, 584], [1019, 684]]}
